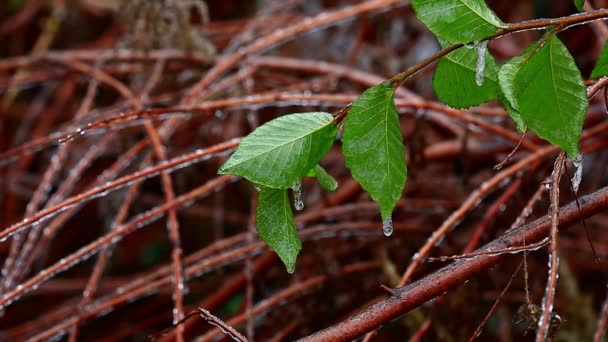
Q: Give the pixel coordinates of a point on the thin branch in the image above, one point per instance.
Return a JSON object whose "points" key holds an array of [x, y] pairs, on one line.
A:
{"points": [[225, 328], [547, 306], [494, 306]]}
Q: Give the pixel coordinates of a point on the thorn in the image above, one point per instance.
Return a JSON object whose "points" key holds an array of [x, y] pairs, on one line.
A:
{"points": [[388, 290]]}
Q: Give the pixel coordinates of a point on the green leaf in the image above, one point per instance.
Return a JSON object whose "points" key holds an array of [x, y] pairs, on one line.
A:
{"points": [[455, 78], [579, 4], [601, 67], [506, 76], [458, 21], [373, 146], [276, 227], [281, 151], [551, 95], [326, 181]]}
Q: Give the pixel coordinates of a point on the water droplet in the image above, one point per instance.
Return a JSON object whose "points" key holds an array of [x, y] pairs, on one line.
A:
{"points": [[297, 195], [482, 48], [387, 226]]}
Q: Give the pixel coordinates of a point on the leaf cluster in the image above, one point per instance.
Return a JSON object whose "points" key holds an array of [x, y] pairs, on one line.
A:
{"points": [[542, 90]]}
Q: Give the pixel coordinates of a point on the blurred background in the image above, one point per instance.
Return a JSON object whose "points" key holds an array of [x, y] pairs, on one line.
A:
{"points": [[92, 91]]}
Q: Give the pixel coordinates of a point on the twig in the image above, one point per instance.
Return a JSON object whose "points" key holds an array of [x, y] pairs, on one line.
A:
{"points": [[511, 250], [495, 305], [547, 306], [225, 328], [512, 153]]}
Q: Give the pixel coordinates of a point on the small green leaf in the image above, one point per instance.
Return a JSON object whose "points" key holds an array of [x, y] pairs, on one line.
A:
{"points": [[455, 78], [601, 67], [551, 95], [458, 21], [373, 146], [276, 227], [579, 4], [281, 151], [506, 76], [326, 181]]}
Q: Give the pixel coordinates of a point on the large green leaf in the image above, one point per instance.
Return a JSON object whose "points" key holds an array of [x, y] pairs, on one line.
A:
{"points": [[276, 227], [601, 67], [373, 146], [551, 95], [506, 77], [455, 78], [579, 4], [281, 152], [458, 21]]}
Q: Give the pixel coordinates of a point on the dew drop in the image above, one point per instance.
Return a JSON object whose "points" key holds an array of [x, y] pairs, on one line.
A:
{"points": [[387, 226], [297, 195], [482, 48]]}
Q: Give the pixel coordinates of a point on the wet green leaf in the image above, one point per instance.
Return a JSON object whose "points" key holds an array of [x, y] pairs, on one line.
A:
{"points": [[458, 21], [276, 227], [551, 95], [326, 181], [373, 146], [506, 76], [601, 67], [281, 151], [455, 80]]}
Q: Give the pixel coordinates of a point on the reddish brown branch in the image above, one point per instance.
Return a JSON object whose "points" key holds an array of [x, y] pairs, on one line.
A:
{"points": [[547, 307]]}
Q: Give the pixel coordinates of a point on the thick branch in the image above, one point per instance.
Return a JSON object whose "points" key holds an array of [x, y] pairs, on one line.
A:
{"points": [[433, 285]]}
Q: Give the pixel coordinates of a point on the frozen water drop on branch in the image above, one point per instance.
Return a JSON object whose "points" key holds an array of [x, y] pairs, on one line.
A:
{"points": [[387, 226], [482, 48], [297, 195], [578, 172]]}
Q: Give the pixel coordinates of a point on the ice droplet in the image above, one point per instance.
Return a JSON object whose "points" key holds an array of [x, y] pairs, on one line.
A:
{"points": [[471, 45], [482, 48], [297, 195], [387, 226], [578, 173]]}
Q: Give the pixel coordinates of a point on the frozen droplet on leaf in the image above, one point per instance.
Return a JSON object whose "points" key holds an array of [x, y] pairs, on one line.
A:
{"points": [[482, 48], [387, 226], [297, 195]]}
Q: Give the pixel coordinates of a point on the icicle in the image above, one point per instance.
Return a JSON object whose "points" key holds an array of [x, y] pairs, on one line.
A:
{"points": [[482, 48], [578, 173], [297, 195], [387, 226]]}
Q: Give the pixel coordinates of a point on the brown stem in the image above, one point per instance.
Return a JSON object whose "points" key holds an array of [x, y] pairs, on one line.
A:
{"points": [[547, 307]]}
